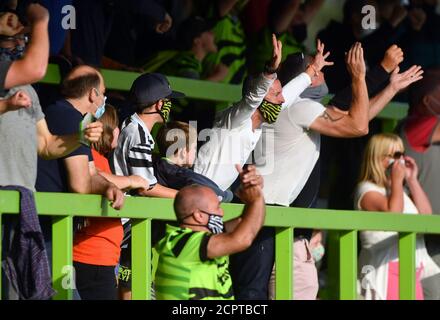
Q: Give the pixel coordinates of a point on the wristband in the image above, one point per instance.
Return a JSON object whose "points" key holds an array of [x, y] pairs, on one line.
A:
{"points": [[268, 68], [314, 70]]}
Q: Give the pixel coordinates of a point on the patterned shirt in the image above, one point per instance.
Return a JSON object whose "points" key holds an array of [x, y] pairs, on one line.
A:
{"points": [[133, 155], [184, 271]]}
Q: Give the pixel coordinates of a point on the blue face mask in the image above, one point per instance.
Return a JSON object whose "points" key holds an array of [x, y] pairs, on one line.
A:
{"points": [[101, 109], [11, 54], [318, 252]]}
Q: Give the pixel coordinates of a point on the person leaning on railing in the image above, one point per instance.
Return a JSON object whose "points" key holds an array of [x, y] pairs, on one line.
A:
{"points": [[150, 96], [98, 243], [83, 92], [193, 257], [385, 174]]}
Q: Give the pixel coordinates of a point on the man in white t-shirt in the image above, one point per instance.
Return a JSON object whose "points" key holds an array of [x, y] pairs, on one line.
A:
{"points": [[237, 130], [297, 136]]}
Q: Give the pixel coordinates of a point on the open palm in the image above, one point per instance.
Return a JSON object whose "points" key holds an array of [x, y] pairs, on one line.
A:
{"points": [[400, 81]]}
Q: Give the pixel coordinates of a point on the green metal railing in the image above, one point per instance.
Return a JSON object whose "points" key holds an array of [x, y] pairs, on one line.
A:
{"points": [[204, 90], [63, 207]]}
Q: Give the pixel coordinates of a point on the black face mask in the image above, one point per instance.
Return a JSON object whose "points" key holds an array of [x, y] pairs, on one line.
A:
{"points": [[215, 223]]}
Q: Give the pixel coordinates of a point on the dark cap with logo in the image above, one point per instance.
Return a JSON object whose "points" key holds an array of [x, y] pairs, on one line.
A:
{"points": [[150, 88]]}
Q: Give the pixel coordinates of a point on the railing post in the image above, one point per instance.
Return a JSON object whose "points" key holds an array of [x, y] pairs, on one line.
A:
{"points": [[284, 264], [63, 273], [1, 247], [331, 290], [407, 270], [348, 265], [141, 259]]}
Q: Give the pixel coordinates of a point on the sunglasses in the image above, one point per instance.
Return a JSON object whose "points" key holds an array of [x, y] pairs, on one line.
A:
{"points": [[397, 155], [19, 37]]}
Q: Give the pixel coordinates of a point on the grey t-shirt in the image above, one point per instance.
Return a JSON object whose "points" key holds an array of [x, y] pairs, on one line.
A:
{"points": [[18, 142], [4, 67]]}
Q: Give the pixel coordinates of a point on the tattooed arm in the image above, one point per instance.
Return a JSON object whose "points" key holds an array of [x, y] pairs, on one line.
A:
{"points": [[353, 123]]}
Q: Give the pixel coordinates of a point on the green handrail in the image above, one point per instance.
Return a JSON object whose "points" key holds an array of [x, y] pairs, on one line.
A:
{"points": [[142, 210], [197, 89]]}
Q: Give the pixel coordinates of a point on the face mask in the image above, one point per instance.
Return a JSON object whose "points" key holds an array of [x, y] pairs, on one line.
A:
{"points": [[391, 161], [318, 253], [165, 111], [315, 93], [101, 109], [215, 223], [11, 54], [270, 111]]}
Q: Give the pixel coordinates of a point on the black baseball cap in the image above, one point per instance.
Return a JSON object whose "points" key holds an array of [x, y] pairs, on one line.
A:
{"points": [[192, 28], [150, 88]]}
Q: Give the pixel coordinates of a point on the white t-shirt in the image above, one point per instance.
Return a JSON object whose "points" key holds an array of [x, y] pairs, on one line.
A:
{"points": [[289, 150], [232, 138]]}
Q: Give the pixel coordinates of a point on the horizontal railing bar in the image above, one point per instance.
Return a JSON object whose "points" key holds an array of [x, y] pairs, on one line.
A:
{"points": [[197, 89], [62, 204]]}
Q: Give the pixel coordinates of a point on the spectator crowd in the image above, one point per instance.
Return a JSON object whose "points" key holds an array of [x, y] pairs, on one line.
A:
{"points": [[272, 147]]}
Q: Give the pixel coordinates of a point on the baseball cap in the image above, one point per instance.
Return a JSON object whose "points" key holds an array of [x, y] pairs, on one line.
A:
{"points": [[150, 88], [192, 28]]}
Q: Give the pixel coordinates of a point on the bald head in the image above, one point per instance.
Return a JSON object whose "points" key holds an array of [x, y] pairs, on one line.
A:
{"points": [[80, 81], [192, 198], [80, 71]]}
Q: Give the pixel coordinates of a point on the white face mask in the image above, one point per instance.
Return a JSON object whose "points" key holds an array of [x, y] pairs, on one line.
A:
{"points": [[391, 161]]}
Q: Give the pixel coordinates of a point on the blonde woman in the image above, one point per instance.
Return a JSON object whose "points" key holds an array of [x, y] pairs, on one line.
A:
{"points": [[386, 174]]}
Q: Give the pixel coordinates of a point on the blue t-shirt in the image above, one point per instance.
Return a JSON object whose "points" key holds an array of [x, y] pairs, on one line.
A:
{"points": [[62, 119], [57, 33]]}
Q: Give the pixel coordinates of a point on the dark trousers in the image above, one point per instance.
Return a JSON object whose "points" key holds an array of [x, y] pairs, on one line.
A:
{"points": [[251, 269], [96, 282]]}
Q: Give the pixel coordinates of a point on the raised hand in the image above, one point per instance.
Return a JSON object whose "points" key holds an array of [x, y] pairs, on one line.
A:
{"points": [[277, 55], [412, 170], [355, 61], [250, 189], [9, 24], [400, 81], [398, 172], [319, 61], [393, 57]]}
